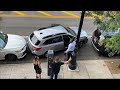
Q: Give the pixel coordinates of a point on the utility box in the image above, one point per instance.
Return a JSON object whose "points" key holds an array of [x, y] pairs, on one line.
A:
{"points": [[50, 55]]}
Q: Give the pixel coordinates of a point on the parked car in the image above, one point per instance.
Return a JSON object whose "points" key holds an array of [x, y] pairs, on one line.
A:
{"points": [[96, 39], [55, 37], [12, 47]]}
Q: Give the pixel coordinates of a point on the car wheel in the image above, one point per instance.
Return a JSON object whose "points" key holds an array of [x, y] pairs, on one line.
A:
{"points": [[80, 45], [111, 54], [11, 57]]}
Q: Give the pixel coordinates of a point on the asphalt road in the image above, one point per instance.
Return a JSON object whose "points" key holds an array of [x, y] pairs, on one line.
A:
{"points": [[24, 26]]}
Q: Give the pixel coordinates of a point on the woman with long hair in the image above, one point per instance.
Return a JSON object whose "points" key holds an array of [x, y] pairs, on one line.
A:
{"points": [[37, 67]]}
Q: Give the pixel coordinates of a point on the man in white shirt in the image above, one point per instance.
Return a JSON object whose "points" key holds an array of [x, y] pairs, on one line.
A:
{"points": [[71, 48]]}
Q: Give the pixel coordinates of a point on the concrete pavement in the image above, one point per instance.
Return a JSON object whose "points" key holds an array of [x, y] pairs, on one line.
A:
{"points": [[87, 69]]}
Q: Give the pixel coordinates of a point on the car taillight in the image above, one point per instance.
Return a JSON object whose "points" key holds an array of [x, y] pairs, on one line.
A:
{"points": [[36, 49]]}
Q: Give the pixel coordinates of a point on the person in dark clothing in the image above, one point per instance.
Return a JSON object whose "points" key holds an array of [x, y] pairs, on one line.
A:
{"points": [[56, 67], [37, 67], [96, 34]]}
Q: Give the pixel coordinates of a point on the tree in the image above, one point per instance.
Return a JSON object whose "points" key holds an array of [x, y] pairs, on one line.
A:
{"points": [[110, 20], [112, 45]]}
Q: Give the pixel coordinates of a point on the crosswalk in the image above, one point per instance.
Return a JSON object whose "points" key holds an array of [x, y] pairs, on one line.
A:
{"points": [[41, 14]]}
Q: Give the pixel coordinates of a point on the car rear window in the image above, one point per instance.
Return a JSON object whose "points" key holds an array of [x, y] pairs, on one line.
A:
{"points": [[34, 39], [37, 43]]}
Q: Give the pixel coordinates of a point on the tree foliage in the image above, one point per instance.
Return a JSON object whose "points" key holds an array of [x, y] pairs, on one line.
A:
{"points": [[112, 44], [110, 21]]}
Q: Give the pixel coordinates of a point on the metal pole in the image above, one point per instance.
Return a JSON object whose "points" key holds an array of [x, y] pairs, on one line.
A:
{"points": [[80, 27], [73, 63]]}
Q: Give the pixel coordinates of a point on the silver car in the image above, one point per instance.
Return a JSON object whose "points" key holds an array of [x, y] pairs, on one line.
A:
{"points": [[55, 37], [12, 47]]}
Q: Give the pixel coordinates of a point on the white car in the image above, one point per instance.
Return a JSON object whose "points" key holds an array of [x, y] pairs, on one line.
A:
{"points": [[12, 47]]}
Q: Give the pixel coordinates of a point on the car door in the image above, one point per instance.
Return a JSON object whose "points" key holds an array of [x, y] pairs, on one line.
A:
{"points": [[47, 45], [55, 44], [66, 39], [58, 43]]}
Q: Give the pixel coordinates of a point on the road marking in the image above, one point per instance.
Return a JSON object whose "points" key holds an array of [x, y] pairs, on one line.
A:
{"points": [[44, 13], [37, 16], [71, 14], [19, 13]]}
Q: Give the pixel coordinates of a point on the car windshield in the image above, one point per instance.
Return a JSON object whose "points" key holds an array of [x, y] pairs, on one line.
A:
{"points": [[70, 31], [3, 40]]}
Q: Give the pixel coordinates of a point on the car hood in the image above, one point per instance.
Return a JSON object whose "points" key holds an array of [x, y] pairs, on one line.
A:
{"points": [[15, 42], [83, 33]]}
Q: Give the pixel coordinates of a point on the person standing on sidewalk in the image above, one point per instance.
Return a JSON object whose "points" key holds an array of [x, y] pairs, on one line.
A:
{"points": [[56, 67], [37, 67], [71, 48]]}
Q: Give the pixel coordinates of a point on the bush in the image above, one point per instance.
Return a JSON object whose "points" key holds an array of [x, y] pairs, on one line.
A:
{"points": [[112, 44]]}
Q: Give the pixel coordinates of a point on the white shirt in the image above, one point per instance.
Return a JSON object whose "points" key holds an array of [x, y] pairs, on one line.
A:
{"points": [[71, 46]]}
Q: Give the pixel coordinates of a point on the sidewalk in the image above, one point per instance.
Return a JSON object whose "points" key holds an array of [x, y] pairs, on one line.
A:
{"points": [[87, 69]]}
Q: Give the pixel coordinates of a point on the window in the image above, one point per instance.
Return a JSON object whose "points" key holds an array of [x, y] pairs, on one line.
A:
{"points": [[37, 43], [57, 39], [4, 37], [53, 40], [3, 40], [34, 39], [2, 43], [49, 41], [70, 31]]}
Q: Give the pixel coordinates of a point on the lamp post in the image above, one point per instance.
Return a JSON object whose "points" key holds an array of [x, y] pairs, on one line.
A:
{"points": [[73, 63]]}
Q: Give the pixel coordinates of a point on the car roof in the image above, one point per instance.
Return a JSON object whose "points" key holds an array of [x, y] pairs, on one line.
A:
{"points": [[40, 34]]}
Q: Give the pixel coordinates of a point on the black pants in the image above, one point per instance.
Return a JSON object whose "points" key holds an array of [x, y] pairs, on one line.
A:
{"points": [[69, 54], [54, 74]]}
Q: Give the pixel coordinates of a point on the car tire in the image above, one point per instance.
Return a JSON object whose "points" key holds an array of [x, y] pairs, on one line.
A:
{"points": [[11, 57], [80, 44], [111, 54]]}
